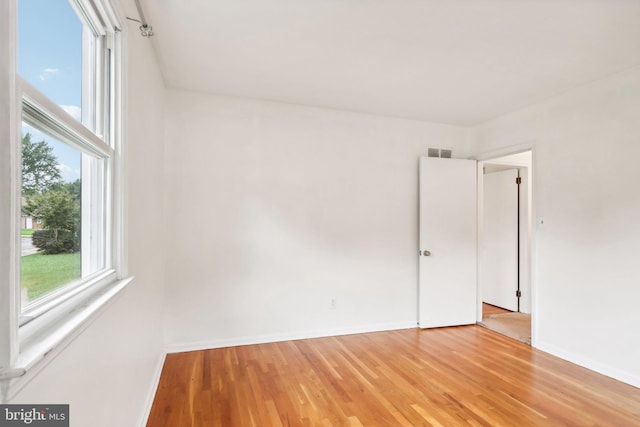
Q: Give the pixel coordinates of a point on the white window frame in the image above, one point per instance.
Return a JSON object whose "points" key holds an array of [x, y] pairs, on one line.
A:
{"points": [[30, 338]]}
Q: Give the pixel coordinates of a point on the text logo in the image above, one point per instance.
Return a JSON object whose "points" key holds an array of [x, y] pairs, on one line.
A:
{"points": [[34, 415]]}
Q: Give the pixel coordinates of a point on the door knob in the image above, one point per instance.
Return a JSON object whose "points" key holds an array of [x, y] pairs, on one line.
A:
{"points": [[426, 253]]}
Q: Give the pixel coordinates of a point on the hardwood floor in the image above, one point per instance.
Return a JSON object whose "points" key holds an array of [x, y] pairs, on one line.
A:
{"points": [[462, 376], [488, 310], [512, 324]]}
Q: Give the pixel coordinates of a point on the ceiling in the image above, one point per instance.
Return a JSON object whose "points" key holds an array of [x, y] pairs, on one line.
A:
{"points": [[450, 61]]}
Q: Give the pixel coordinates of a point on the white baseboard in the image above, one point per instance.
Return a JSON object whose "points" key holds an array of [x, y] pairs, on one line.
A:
{"points": [[269, 338], [593, 365], [151, 394]]}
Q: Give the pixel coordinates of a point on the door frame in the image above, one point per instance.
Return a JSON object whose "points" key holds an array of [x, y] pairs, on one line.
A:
{"points": [[488, 157]]}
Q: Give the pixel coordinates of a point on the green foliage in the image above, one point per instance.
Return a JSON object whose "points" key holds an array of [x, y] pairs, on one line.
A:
{"points": [[72, 188], [55, 208], [59, 210], [42, 274], [39, 166], [49, 199], [51, 242]]}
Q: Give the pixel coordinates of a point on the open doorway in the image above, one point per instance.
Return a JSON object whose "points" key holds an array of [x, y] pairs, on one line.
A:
{"points": [[504, 251]]}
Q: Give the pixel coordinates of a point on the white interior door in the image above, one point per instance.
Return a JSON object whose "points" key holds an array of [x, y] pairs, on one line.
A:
{"points": [[499, 252], [448, 219]]}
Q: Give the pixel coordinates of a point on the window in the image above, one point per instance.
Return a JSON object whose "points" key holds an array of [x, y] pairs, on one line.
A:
{"points": [[64, 216], [51, 51]]}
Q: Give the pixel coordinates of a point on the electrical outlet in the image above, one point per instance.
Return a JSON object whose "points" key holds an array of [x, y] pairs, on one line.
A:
{"points": [[333, 303]]}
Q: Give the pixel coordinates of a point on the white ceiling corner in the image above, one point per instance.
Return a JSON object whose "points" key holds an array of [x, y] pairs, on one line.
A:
{"points": [[451, 61]]}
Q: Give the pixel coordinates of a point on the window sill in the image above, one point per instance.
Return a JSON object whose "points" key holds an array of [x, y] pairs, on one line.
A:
{"points": [[42, 344]]}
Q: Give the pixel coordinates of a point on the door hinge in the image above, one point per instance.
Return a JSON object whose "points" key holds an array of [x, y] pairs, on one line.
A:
{"points": [[518, 180], [518, 294]]}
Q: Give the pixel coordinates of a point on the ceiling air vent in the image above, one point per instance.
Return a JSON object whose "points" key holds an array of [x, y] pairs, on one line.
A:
{"points": [[439, 152]]}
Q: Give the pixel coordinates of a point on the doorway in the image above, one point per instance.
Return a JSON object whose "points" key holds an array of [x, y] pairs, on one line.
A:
{"points": [[504, 249]]}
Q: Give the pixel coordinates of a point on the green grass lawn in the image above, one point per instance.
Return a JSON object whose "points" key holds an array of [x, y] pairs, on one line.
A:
{"points": [[44, 273], [25, 232]]}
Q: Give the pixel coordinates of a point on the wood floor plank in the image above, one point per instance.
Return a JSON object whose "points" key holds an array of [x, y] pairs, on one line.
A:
{"points": [[488, 310], [463, 376]]}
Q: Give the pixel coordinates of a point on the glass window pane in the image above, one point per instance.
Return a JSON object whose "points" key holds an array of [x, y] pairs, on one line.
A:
{"points": [[63, 237], [50, 37]]}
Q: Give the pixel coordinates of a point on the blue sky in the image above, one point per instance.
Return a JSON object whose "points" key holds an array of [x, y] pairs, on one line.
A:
{"points": [[50, 58]]}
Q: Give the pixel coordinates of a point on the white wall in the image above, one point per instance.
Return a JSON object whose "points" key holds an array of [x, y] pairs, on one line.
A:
{"points": [[585, 177], [275, 210], [107, 373]]}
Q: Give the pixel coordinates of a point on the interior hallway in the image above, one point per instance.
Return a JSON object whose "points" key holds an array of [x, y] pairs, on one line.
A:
{"points": [[512, 324]]}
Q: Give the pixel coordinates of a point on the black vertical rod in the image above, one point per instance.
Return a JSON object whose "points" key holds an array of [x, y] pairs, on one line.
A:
{"points": [[518, 182]]}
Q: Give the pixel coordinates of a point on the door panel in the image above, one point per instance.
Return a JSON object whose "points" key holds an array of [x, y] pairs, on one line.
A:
{"points": [[448, 218], [499, 252]]}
